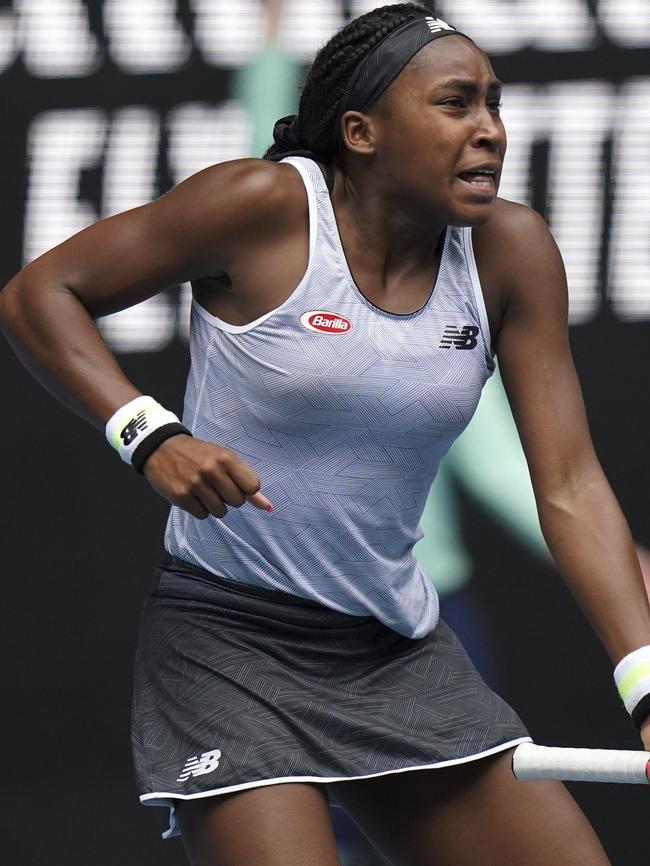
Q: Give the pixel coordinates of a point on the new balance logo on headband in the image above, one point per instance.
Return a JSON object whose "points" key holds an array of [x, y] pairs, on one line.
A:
{"points": [[435, 25], [460, 338]]}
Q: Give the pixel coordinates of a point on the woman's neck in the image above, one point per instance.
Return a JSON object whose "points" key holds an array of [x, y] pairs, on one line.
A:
{"points": [[396, 240]]}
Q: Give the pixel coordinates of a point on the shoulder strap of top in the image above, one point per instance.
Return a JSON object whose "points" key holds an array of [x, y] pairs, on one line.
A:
{"points": [[314, 183], [478, 293], [476, 282]]}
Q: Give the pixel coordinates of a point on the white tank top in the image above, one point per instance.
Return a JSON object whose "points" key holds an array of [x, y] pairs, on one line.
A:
{"points": [[344, 411]]}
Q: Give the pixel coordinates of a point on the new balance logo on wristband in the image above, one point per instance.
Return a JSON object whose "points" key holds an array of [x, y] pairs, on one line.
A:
{"points": [[460, 338], [199, 766], [139, 427], [133, 428]]}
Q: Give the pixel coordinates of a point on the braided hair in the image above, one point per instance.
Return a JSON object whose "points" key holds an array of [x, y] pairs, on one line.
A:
{"points": [[309, 133]]}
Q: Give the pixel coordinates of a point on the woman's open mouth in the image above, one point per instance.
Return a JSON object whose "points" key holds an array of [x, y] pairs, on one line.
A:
{"points": [[482, 181]]}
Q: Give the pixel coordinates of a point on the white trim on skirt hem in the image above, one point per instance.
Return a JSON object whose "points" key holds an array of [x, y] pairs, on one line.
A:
{"points": [[160, 798]]}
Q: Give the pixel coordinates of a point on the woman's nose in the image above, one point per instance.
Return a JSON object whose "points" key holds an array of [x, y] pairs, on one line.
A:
{"points": [[489, 129]]}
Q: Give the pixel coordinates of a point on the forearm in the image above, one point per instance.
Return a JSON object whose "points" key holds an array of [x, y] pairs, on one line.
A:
{"points": [[59, 343], [591, 543]]}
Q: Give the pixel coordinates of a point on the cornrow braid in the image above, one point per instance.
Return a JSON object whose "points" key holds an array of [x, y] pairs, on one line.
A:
{"points": [[310, 133]]}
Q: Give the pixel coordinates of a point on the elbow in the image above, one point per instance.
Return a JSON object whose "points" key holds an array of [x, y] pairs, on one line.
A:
{"points": [[567, 499], [9, 296], [18, 301], [26, 298]]}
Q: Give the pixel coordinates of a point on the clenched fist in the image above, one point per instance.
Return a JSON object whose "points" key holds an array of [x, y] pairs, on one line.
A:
{"points": [[202, 478]]}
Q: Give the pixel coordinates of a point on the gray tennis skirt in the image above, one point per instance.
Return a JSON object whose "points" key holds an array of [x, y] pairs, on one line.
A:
{"points": [[238, 687]]}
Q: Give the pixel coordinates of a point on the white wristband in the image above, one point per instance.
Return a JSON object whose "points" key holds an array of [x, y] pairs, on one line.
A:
{"points": [[632, 677], [134, 422]]}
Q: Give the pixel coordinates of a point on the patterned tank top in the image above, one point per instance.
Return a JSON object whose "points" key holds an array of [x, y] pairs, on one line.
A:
{"points": [[344, 411]]}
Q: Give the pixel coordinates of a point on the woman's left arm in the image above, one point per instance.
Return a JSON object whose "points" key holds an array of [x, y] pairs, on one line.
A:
{"points": [[580, 517]]}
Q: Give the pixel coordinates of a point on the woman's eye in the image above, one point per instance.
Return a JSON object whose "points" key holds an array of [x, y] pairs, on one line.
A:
{"points": [[495, 106], [455, 102]]}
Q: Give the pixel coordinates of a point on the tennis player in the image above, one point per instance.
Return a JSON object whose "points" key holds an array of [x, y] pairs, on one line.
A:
{"points": [[350, 293]]}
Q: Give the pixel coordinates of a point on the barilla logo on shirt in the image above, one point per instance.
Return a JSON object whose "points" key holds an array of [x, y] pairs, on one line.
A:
{"points": [[325, 322]]}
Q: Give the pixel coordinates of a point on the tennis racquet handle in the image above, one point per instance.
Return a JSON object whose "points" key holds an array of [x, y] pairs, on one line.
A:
{"points": [[531, 762]]}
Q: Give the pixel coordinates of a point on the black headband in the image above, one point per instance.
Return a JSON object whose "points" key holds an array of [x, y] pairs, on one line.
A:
{"points": [[375, 72], [381, 66]]}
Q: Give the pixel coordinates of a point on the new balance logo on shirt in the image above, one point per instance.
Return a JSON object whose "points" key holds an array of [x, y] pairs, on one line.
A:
{"points": [[460, 338], [199, 766]]}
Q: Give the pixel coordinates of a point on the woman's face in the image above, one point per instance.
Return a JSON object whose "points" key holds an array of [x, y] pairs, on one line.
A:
{"points": [[438, 135]]}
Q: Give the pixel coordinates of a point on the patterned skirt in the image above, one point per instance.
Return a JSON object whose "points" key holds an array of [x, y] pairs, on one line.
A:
{"points": [[237, 687]]}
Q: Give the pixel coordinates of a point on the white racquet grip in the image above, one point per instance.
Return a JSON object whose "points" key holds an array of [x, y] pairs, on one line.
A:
{"points": [[531, 762]]}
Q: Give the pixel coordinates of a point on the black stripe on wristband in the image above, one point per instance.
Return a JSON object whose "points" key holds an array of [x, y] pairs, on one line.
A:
{"points": [[641, 711], [154, 439]]}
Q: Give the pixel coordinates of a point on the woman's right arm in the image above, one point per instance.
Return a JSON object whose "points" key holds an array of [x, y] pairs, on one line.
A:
{"points": [[47, 310]]}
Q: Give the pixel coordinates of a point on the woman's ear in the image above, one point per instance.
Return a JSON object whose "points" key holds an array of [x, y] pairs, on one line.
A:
{"points": [[358, 132]]}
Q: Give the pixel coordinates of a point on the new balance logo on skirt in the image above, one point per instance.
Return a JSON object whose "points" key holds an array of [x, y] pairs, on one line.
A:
{"points": [[194, 766], [460, 338]]}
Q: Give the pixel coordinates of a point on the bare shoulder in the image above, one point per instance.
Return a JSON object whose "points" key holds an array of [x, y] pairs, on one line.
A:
{"points": [[262, 179], [513, 225], [517, 248], [246, 194]]}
